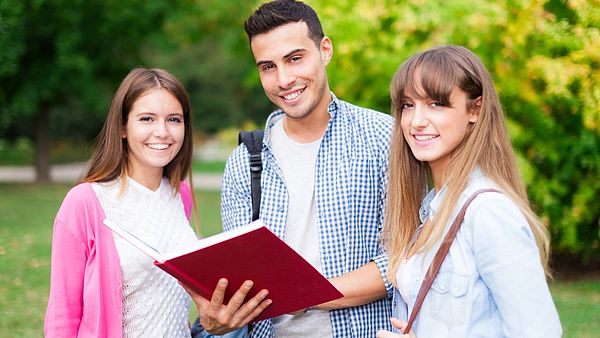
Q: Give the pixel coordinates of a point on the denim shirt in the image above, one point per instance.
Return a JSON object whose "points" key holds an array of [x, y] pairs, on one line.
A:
{"points": [[491, 283], [350, 194]]}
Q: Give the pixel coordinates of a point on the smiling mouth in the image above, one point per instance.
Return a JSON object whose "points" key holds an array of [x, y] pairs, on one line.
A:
{"points": [[424, 137], [158, 146], [293, 95]]}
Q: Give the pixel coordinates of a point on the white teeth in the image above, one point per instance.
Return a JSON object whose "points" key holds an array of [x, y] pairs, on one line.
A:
{"points": [[293, 95], [424, 137], [158, 146]]}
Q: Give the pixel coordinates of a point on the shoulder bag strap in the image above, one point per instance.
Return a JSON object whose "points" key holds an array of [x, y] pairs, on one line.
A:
{"points": [[439, 257], [253, 142]]}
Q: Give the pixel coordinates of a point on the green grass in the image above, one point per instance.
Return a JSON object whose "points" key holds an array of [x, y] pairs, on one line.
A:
{"points": [[26, 215], [208, 166]]}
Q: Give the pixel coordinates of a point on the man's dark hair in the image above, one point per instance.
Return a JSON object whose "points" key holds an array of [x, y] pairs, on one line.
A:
{"points": [[280, 12]]}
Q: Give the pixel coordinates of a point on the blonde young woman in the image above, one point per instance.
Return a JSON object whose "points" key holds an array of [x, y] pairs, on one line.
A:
{"points": [[100, 285], [450, 137]]}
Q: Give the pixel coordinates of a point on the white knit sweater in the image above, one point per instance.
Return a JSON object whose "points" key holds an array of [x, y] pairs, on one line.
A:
{"points": [[154, 304]]}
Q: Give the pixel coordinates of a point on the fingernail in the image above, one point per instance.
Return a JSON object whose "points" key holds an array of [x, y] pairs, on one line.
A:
{"points": [[248, 284], [223, 282]]}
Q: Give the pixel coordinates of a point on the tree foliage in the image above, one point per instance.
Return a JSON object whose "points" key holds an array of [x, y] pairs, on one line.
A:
{"points": [[544, 57], [61, 61], [69, 55], [208, 50]]}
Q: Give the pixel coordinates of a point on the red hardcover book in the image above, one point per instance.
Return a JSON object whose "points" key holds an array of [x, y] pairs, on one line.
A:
{"points": [[251, 252]]}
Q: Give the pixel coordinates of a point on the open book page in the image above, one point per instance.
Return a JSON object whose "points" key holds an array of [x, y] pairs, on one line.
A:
{"points": [[135, 241], [251, 252], [212, 240], [162, 257]]}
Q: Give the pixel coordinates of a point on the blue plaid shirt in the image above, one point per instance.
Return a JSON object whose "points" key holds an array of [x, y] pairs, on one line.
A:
{"points": [[350, 193]]}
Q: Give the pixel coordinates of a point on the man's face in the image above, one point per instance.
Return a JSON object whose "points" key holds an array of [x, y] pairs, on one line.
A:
{"points": [[292, 69]]}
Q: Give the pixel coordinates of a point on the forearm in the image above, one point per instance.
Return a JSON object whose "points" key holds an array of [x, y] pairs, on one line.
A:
{"points": [[361, 286]]}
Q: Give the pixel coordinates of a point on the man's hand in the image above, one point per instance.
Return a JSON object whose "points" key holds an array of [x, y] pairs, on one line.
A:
{"points": [[217, 318]]}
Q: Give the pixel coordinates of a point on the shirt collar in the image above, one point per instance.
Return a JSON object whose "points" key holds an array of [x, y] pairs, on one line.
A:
{"points": [[432, 201], [332, 109]]}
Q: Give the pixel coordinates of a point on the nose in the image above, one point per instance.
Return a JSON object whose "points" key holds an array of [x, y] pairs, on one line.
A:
{"points": [[161, 129], [285, 78], [419, 118]]}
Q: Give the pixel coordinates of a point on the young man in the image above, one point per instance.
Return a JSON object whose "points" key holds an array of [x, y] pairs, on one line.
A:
{"points": [[323, 184]]}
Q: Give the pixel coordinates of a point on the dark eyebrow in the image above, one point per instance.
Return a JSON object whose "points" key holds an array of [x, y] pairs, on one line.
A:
{"points": [[297, 50], [260, 63]]}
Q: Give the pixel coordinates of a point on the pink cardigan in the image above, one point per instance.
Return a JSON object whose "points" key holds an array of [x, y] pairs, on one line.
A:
{"points": [[85, 280]]}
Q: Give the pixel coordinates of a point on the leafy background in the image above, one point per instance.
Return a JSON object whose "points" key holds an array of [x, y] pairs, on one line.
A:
{"points": [[61, 60]]}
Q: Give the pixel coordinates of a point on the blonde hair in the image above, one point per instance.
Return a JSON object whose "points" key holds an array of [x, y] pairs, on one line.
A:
{"points": [[486, 145]]}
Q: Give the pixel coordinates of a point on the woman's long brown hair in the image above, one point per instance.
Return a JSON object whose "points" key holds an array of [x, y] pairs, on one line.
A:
{"points": [[111, 155], [433, 74]]}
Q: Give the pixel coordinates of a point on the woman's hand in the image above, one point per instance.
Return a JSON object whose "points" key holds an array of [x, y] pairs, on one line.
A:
{"points": [[399, 325]]}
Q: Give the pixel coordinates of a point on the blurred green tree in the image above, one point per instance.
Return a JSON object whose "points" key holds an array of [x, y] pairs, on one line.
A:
{"points": [[60, 61], [63, 58], [544, 57], [209, 51]]}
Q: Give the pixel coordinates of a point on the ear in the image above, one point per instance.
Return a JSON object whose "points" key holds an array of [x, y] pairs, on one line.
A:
{"points": [[326, 49], [475, 110]]}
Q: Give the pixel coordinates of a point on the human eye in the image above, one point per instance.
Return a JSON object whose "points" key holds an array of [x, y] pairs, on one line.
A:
{"points": [[145, 118], [295, 58], [266, 67], [437, 105], [406, 105], [175, 119]]}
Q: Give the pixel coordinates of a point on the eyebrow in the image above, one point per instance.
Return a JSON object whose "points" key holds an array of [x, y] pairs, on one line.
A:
{"points": [[294, 51]]}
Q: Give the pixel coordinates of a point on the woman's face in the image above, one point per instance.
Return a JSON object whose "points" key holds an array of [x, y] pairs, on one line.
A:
{"points": [[433, 131], [155, 132]]}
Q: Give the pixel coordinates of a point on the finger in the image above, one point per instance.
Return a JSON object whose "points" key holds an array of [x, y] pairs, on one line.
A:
{"points": [[398, 324], [218, 295], [254, 304], [237, 300], [257, 311], [386, 334], [401, 325]]}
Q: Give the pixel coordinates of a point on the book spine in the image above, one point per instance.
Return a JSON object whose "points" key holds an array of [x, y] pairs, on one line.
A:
{"points": [[185, 279]]}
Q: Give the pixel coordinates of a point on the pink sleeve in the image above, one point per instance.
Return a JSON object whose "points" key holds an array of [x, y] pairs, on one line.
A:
{"points": [[69, 257], [186, 198]]}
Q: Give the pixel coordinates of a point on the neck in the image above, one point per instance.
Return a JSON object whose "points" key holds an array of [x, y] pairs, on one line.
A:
{"points": [[438, 174], [150, 180], [311, 127]]}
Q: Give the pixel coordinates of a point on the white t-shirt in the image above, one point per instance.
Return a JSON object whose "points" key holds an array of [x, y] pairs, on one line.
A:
{"points": [[297, 162]]}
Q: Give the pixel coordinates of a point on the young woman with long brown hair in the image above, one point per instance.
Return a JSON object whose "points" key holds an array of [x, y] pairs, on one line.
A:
{"points": [[450, 138], [100, 285]]}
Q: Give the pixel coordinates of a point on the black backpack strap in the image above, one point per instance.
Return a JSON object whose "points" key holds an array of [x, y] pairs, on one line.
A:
{"points": [[253, 142]]}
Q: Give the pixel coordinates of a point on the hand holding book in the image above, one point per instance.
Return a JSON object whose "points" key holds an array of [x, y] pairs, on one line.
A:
{"points": [[218, 318], [249, 253]]}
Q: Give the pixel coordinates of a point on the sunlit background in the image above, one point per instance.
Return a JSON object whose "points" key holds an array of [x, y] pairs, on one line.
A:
{"points": [[61, 60]]}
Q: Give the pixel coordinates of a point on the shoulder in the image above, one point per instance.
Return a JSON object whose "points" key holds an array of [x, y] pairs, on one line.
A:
{"points": [[79, 211], [238, 159], [495, 215], [370, 119], [80, 195], [373, 127], [184, 189]]}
